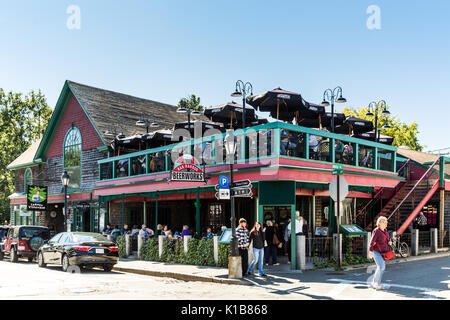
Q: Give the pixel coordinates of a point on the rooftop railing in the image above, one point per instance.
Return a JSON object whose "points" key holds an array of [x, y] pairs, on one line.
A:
{"points": [[258, 145]]}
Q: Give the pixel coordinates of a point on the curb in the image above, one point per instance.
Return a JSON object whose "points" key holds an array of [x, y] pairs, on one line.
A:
{"points": [[402, 260], [181, 276]]}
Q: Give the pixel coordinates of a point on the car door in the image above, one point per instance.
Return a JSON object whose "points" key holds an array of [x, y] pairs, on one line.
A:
{"points": [[59, 248], [48, 250]]}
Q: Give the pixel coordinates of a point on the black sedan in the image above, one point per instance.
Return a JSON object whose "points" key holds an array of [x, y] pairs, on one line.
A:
{"points": [[83, 249]]}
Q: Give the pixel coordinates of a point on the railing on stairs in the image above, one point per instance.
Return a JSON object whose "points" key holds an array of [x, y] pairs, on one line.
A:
{"points": [[402, 171], [416, 198]]}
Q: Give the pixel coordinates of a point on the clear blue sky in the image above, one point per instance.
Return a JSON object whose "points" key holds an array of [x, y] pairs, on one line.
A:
{"points": [[164, 50]]}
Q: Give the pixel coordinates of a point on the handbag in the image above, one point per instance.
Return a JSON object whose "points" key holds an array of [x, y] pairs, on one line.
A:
{"points": [[275, 241], [389, 254]]}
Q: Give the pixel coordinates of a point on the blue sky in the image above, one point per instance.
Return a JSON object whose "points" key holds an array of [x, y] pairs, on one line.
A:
{"points": [[165, 50]]}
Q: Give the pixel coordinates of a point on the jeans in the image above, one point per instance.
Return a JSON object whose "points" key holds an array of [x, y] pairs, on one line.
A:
{"points": [[270, 249], [381, 265], [258, 255]]}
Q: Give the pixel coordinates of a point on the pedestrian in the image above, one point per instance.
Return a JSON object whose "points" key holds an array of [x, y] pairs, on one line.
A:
{"points": [[272, 244], [378, 245], [298, 231], [116, 232], [107, 230], [257, 238], [421, 222], [243, 244]]}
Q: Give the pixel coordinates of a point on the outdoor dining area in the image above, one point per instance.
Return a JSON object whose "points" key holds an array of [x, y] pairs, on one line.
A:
{"points": [[282, 105]]}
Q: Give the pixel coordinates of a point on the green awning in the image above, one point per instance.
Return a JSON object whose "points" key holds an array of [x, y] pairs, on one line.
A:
{"points": [[352, 230]]}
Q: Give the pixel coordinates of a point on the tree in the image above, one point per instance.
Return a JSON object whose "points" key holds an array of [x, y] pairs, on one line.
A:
{"points": [[23, 119], [403, 134], [192, 102]]}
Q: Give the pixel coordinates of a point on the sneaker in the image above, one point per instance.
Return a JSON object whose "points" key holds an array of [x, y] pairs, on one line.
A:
{"points": [[263, 275], [266, 264], [276, 264]]}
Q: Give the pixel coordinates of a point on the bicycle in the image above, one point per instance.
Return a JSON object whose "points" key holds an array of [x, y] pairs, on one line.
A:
{"points": [[399, 247]]}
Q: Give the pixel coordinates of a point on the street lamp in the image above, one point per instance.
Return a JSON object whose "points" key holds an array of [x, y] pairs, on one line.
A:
{"points": [[242, 90], [329, 96], [146, 123], [65, 178], [190, 110], [374, 106], [230, 147]]}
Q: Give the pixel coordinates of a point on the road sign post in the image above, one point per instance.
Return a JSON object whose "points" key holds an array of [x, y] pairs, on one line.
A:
{"points": [[338, 190]]}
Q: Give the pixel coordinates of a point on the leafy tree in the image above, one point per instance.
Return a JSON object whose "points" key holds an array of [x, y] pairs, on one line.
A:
{"points": [[23, 119], [403, 134], [192, 102]]}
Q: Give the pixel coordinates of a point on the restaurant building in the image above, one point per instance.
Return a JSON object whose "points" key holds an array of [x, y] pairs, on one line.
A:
{"points": [[112, 183]]}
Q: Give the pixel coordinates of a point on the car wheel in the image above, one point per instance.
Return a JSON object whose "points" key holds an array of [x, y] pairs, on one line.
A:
{"points": [[13, 256], [41, 261], [65, 263], [108, 267]]}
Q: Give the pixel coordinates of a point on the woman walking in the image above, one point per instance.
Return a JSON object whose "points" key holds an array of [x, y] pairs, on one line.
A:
{"points": [[257, 238], [378, 245]]}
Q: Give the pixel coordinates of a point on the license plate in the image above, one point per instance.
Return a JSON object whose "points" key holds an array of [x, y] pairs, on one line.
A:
{"points": [[99, 250]]}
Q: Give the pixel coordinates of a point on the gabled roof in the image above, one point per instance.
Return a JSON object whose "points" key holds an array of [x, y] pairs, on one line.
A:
{"points": [[110, 111], [26, 159]]}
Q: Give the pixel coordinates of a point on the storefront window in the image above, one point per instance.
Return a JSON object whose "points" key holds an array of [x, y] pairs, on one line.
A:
{"points": [[28, 179], [72, 156]]}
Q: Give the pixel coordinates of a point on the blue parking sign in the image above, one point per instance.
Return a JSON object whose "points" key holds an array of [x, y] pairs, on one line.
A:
{"points": [[224, 182]]}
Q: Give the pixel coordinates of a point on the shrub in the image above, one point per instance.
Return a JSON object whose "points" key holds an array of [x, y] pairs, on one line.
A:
{"points": [[224, 252], [150, 250], [121, 243]]}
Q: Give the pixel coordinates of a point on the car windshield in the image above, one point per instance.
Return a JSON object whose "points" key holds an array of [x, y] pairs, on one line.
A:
{"points": [[34, 232], [88, 237]]}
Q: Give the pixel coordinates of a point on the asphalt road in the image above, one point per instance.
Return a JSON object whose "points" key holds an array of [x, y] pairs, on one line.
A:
{"points": [[425, 279]]}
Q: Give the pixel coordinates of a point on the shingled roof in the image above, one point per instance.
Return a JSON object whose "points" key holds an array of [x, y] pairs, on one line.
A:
{"points": [[108, 110]]}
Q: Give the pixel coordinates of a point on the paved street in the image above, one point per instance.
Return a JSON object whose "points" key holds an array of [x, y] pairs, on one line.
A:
{"points": [[425, 279]]}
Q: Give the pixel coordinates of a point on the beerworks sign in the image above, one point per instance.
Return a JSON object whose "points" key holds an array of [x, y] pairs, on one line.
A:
{"points": [[187, 168], [37, 198]]}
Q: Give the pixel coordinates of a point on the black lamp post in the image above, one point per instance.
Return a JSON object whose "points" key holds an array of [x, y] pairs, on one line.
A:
{"points": [[242, 90], [190, 110], [145, 122], [65, 178], [374, 106], [230, 147], [329, 96]]}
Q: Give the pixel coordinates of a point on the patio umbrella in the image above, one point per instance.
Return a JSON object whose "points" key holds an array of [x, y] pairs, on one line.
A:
{"points": [[355, 125], [204, 126], [371, 136], [323, 120], [259, 121], [158, 138], [131, 142], [230, 114], [276, 101]]}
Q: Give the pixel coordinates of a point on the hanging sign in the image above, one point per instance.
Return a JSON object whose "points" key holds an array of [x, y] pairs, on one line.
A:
{"points": [[187, 168], [37, 198]]}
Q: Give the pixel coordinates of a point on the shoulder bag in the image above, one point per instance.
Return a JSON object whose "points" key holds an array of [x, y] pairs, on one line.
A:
{"points": [[389, 254]]}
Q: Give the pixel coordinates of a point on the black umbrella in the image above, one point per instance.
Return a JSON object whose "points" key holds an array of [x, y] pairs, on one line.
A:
{"points": [[323, 120], [259, 121], [355, 125], [204, 126], [131, 142], [230, 114], [158, 138], [371, 136]]}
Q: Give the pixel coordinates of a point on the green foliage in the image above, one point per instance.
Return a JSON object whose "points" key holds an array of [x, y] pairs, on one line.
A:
{"points": [[23, 119], [150, 250], [403, 134], [192, 102], [224, 252], [122, 246]]}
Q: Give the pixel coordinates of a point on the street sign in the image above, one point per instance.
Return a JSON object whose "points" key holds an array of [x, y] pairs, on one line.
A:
{"points": [[241, 192], [337, 169], [242, 184], [224, 188], [224, 194], [343, 189], [224, 182]]}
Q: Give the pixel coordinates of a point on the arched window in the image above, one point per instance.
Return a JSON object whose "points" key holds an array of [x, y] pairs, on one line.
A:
{"points": [[72, 156], [28, 179]]}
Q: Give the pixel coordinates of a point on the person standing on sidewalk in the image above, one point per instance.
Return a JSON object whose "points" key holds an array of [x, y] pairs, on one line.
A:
{"points": [[257, 237], [378, 245], [243, 244], [271, 249], [298, 231]]}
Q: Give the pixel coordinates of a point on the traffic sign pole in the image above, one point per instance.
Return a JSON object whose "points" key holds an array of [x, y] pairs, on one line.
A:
{"points": [[338, 220]]}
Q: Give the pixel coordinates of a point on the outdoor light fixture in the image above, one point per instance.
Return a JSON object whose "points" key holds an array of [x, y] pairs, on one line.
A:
{"points": [[65, 179], [190, 111], [374, 106], [181, 110], [146, 123], [329, 96], [230, 147], [242, 90]]}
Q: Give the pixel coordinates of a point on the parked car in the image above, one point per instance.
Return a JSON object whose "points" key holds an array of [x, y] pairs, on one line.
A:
{"points": [[23, 241], [83, 249]]}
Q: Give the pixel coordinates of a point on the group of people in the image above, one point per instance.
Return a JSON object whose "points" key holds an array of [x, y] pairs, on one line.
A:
{"points": [[266, 242]]}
